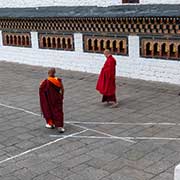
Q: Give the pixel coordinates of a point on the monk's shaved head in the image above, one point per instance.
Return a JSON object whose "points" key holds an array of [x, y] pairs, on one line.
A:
{"points": [[107, 52], [51, 72]]}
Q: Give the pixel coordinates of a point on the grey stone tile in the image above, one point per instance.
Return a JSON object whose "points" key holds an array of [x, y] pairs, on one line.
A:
{"points": [[92, 173], [159, 167], [75, 177], [9, 177], [164, 176], [61, 172], [24, 173], [76, 161], [101, 155], [11, 168], [79, 168], [46, 176], [43, 167], [129, 173], [114, 165]]}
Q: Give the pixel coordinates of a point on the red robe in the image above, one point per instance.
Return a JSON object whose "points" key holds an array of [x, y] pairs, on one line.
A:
{"points": [[106, 83], [51, 102]]}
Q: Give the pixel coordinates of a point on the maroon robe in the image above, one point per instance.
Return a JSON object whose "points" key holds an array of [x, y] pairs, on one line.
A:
{"points": [[106, 83], [51, 102]]}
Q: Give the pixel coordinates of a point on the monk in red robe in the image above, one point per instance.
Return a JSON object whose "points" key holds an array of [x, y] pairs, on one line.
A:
{"points": [[51, 92], [106, 83]]}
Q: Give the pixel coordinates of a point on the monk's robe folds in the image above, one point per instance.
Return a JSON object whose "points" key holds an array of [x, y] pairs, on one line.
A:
{"points": [[51, 101], [106, 82]]}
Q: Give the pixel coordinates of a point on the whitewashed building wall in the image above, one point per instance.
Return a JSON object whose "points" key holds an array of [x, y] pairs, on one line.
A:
{"points": [[132, 66], [38, 3]]}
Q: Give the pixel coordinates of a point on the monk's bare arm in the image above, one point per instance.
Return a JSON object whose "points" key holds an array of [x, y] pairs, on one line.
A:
{"points": [[42, 84], [62, 88]]}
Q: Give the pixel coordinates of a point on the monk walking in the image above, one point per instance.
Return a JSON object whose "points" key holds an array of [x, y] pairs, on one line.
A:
{"points": [[106, 83], [51, 92]]}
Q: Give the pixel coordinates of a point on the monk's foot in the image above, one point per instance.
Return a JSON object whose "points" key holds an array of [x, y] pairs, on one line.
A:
{"points": [[49, 126], [106, 103], [60, 129], [114, 105]]}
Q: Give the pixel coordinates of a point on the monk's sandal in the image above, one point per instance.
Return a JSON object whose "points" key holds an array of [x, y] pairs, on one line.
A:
{"points": [[60, 130], [49, 126]]}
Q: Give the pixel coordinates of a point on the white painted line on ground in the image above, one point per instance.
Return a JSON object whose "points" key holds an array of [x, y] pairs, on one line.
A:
{"points": [[154, 138], [106, 134], [20, 109], [40, 147], [116, 123], [117, 137], [29, 112], [129, 139], [91, 137], [98, 123]]}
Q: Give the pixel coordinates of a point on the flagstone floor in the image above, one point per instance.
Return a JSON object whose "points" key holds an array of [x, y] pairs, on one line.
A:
{"points": [[138, 140]]}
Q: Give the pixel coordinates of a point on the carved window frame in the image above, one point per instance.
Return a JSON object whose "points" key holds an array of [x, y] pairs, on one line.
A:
{"points": [[56, 41], [97, 43], [17, 39], [160, 47]]}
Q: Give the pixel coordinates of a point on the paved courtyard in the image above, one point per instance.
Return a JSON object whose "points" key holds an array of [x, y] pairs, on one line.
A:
{"points": [[139, 140]]}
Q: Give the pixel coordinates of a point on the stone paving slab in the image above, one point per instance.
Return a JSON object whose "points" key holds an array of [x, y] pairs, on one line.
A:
{"points": [[139, 140]]}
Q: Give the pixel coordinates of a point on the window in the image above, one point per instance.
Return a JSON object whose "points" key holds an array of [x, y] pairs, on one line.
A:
{"points": [[17, 39], [56, 41], [156, 49], [44, 42], [97, 44], [161, 48]]}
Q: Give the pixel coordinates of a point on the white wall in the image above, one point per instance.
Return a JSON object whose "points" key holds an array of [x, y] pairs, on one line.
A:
{"points": [[177, 172], [38, 3], [131, 66], [160, 2]]}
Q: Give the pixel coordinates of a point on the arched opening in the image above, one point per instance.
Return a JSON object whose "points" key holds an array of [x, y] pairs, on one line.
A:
{"points": [[54, 42], [164, 50], [23, 40], [15, 40], [114, 46], [69, 43], [108, 45], [102, 45], [96, 45], [7, 39], [172, 50], [148, 49], [27, 41], [19, 40], [156, 50], [11, 40], [64, 43], [49, 42], [58, 43], [44, 42], [90, 45], [121, 47]]}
